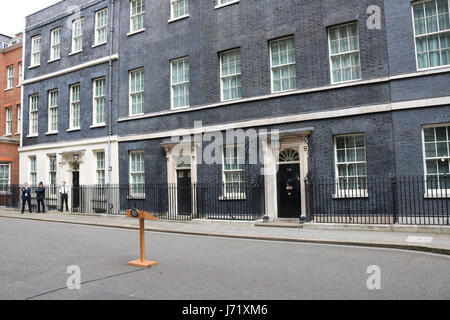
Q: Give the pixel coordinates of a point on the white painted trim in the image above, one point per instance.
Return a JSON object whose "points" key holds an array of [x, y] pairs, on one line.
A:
{"points": [[72, 69], [218, 6], [178, 18], [285, 65], [64, 144]]}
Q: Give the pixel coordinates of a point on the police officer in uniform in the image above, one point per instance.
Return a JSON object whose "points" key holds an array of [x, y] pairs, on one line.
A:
{"points": [[26, 197]]}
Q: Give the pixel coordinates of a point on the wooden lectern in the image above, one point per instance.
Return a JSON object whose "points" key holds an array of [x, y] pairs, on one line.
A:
{"points": [[142, 215]]}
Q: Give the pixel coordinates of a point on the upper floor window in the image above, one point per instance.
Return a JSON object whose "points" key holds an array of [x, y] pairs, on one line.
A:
{"points": [[282, 58], [179, 8], [344, 53], [351, 164], [136, 92], [8, 121], [55, 50], [101, 21], [225, 2], [34, 114], [437, 157], [99, 101], [75, 107], [5, 174], [137, 15], [35, 51], [19, 119], [10, 80], [432, 33], [20, 73], [53, 111], [180, 83], [230, 75], [77, 35]]}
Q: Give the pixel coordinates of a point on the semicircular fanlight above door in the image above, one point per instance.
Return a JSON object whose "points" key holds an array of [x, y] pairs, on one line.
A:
{"points": [[289, 155]]}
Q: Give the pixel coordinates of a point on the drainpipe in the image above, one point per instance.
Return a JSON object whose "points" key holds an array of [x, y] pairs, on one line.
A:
{"points": [[110, 100]]}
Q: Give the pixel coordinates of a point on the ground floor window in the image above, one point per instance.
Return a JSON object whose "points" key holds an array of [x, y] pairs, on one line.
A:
{"points": [[233, 170], [52, 174], [33, 173], [350, 158], [100, 168], [437, 156], [137, 174], [5, 174]]}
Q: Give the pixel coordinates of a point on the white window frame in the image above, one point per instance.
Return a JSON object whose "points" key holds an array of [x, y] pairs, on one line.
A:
{"points": [[132, 17], [350, 193], [19, 119], [224, 3], [133, 194], [53, 174], [439, 192], [4, 187], [101, 28], [35, 51], [173, 3], [20, 73], [34, 116], [280, 66], [236, 75], [238, 157], [72, 104], [100, 168], [8, 117], [184, 83], [10, 77], [96, 100], [75, 36], [350, 52], [33, 171], [425, 35], [130, 93], [55, 44], [52, 108]]}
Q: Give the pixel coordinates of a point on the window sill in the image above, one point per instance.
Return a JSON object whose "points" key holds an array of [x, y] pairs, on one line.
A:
{"points": [[137, 115], [32, 67], [51, 133], [444, 194], [137, 197], [8, 135], [284, 91], [32, 136], [53, 60], [230, 100], [74, 129], [351, 195], [99, 125], [76, 52], [99, 44], [179, 108], [131, 33], [347, 81], [226, 4], [9, 89], [20, 85], [178, 18], [233, 197], [433, 68]]}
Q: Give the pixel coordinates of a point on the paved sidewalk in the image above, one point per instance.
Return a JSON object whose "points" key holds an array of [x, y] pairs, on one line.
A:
{"points": [[427, 242]]}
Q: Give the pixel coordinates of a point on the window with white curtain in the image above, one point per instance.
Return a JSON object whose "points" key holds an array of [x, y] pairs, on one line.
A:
{"points": [[55, 40], [101, 21], [35, 51], [230, 75], [283, 72], [75, 106], [180, 83], [99, 101], [233, 170], [53, 111], [137, 174], [137, 83], [34, 114], [432, 33], [8, 121], [179, 8], [437, 157], [5, 174], [351, 163], [77, 35], [10, 78], [137, 15], [344, 53]]}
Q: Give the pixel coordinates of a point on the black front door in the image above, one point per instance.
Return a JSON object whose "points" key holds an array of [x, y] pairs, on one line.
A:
{"points": [[75, 190], [184, 192], [289, 195]]}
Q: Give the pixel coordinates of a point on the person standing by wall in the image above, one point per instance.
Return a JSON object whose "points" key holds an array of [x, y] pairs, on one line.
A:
{"points": [[40, 196], [26, 197], [64, 192]]}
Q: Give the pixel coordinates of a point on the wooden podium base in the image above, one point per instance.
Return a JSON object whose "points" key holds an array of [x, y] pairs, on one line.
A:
{"points": [[142, 264]]}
